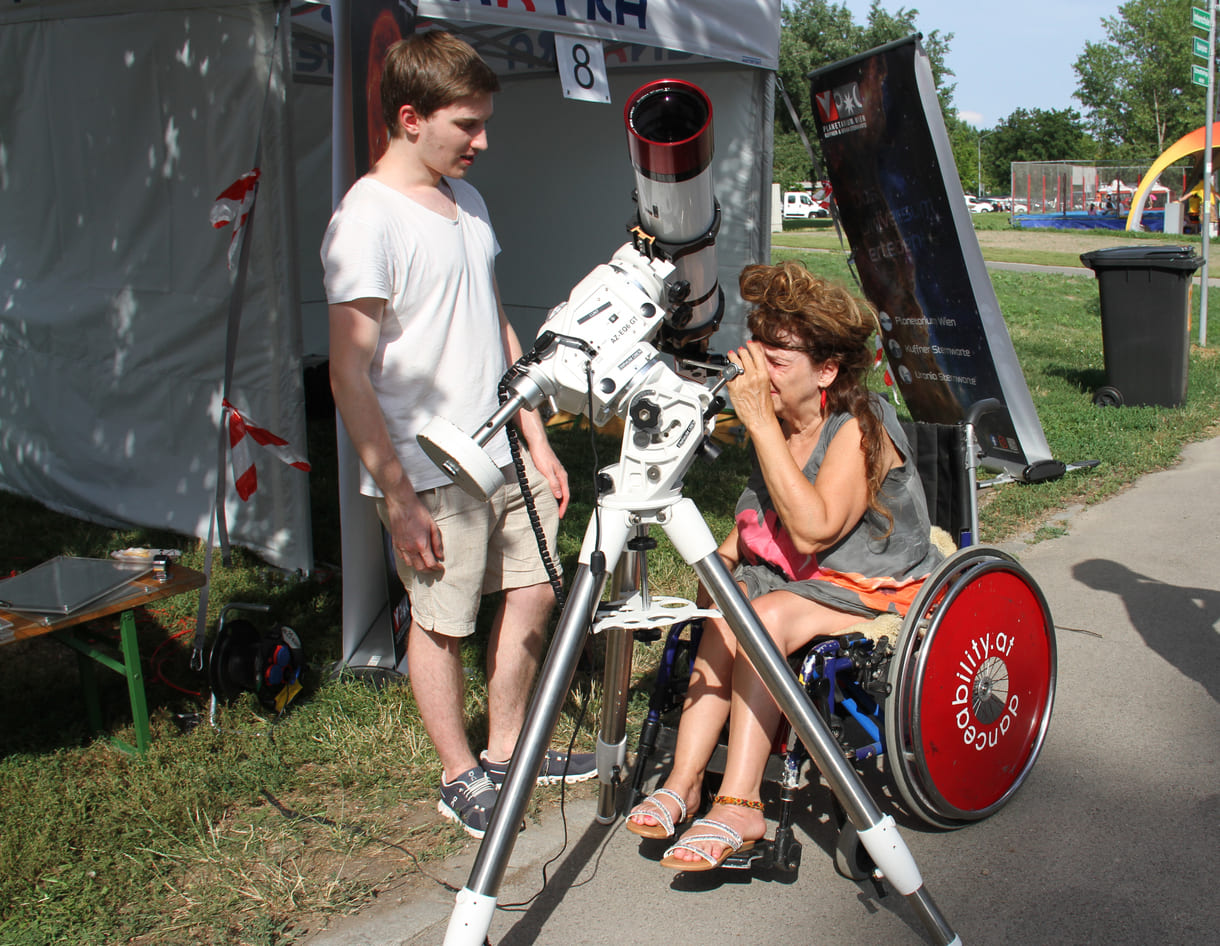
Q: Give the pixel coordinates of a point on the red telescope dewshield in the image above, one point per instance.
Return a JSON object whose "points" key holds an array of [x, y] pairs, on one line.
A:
{"points": [[669, 137]]}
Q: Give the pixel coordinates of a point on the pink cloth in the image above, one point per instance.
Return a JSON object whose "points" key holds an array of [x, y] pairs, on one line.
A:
{"points": [[770, 542]]}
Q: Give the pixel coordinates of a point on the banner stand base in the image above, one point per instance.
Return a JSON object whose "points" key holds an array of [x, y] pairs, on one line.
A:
{"points": [[375, 657]]}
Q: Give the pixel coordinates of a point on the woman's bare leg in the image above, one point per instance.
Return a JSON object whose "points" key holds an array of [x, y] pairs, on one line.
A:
{"points": [[792, 622], [704, 713]]}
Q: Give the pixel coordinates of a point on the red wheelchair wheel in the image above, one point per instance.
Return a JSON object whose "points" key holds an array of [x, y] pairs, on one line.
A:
{"points": [[972, 687]]}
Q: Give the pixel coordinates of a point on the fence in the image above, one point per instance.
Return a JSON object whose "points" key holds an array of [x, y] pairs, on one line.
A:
{"points": [[1048, 187]]}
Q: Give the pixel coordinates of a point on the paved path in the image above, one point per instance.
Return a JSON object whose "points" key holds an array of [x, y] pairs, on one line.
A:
{"points": [[1113, 839]]}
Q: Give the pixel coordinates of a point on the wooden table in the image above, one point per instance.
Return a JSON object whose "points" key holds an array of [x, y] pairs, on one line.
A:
{"points": [[123, 656]]}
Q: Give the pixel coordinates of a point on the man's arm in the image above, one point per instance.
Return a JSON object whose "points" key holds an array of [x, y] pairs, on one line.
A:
{"points": [[530, 422], [355, 328]]}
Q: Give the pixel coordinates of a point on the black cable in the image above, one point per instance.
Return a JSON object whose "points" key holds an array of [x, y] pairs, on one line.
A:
{"points": [[514, 446], [563, 817]]}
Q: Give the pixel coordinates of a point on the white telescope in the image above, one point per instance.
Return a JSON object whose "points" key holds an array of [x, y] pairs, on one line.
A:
{"points": [[591, 357], [669, 138]]}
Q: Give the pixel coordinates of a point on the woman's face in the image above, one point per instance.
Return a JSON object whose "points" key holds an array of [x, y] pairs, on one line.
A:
{"points": [[794, 381]]}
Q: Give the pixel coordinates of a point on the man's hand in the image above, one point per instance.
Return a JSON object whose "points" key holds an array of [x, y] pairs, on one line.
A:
{"points": [[415, 535], [556, 476]]}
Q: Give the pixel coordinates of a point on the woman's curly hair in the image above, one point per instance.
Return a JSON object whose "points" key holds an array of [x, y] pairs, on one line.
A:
{"points": [[793, 309]]}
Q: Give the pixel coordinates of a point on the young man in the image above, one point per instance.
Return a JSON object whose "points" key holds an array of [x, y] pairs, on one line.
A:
{"points": [[417, 331]]}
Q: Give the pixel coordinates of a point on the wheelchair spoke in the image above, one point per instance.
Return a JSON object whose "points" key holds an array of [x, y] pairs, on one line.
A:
{"points": [[990, 690]]}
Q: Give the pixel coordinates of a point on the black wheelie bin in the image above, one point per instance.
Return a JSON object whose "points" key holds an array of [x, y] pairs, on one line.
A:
{"points": [[1145, 322]]}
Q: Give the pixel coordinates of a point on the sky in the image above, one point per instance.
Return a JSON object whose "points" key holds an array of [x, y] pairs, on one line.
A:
{"points": [[1012, 55]]}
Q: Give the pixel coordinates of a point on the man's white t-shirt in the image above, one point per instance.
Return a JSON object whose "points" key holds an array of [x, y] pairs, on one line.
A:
{"points": [[440, 351]]}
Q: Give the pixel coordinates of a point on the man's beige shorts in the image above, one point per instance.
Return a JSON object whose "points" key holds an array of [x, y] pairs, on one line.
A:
{"points": [[489, 546]]}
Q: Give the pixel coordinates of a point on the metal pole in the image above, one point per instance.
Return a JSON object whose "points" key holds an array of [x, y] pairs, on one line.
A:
{"points": [[476, 902], [1205, 216], [982, 135], [616, 691]]}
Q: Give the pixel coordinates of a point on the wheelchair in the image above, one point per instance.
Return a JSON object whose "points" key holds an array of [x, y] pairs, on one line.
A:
{"points": [[951, 703]]}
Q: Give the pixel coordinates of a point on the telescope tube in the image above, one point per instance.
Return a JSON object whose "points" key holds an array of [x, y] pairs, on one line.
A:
{"points": [[669, 138]]}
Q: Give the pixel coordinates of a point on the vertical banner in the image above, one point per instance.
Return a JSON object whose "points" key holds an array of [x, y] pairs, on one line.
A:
{"points": [[376, 25], [902, 209], [376, 612]]}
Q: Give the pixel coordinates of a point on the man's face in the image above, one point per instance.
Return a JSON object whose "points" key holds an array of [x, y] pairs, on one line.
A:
{"points": [[452, 136]]}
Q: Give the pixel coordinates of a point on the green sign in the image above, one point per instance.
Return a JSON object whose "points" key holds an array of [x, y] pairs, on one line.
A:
{"points": [[1200, 47], [1200, 19], [1198, 75]]}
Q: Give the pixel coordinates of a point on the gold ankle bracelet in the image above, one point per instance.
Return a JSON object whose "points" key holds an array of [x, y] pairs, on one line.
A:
{"points": [[738, 802]]}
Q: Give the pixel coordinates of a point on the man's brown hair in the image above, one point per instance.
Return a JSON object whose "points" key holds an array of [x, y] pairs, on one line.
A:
{"points": [[430, 71]]}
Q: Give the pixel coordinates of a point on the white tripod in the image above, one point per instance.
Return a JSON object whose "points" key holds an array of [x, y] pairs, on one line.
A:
{"points": [[593, 358]]}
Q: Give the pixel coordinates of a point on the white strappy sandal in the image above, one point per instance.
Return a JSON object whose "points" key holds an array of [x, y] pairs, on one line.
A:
{"points": [[650, 806]]}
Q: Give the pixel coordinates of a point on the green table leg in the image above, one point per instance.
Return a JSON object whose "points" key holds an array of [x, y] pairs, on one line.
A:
{"points": [[127, 665], [88, 684], [135, 680]]}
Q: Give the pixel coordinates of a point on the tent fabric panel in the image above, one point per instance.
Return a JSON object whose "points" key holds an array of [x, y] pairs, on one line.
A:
{"points": [[25, 128], [28, 11], [114, 156], [311, 145], [112, 341]]}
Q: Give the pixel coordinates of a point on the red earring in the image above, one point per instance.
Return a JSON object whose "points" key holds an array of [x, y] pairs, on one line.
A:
{"points": [[823, 400]]}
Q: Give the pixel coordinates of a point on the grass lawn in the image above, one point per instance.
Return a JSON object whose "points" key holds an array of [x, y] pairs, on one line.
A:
{"points": [[248, 829], [1001, 242]]}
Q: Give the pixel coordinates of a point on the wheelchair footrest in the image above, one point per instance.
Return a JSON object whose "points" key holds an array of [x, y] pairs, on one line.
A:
{"points": [[767, 854]]}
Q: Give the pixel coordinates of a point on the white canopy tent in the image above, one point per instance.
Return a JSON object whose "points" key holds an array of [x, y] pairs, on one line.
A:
{"points": [[122, 120], [120, 123]]}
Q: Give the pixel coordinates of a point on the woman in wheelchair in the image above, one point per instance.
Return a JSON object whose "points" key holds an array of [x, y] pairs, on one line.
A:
{"points": [[832, 528]]}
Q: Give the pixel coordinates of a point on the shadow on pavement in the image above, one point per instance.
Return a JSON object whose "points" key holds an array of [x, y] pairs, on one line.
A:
{"points": [[1177, 623]]}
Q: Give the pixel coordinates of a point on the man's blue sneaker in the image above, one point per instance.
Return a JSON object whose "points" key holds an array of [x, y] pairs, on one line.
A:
{"points": [[469, 800], [556, 767]]}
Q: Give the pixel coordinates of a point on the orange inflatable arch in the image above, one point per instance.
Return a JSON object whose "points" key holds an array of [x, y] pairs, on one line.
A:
{"points": [[1192, 143]]}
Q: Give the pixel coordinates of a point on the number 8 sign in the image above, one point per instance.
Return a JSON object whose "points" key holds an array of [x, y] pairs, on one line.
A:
{"points": [[582, 68]]}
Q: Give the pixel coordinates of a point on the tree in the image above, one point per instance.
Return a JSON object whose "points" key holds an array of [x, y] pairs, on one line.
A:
{"points": [[964, 140], [1136, 88], [1034, 135], [815, 33]]}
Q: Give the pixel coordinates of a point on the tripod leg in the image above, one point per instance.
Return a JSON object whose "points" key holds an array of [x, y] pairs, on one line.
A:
{"points": [[877, 832], [612, 738], [471, 918], [616, 683]]}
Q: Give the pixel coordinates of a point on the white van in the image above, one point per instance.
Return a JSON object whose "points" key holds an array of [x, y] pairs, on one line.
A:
{"points": [[800, 205]]}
